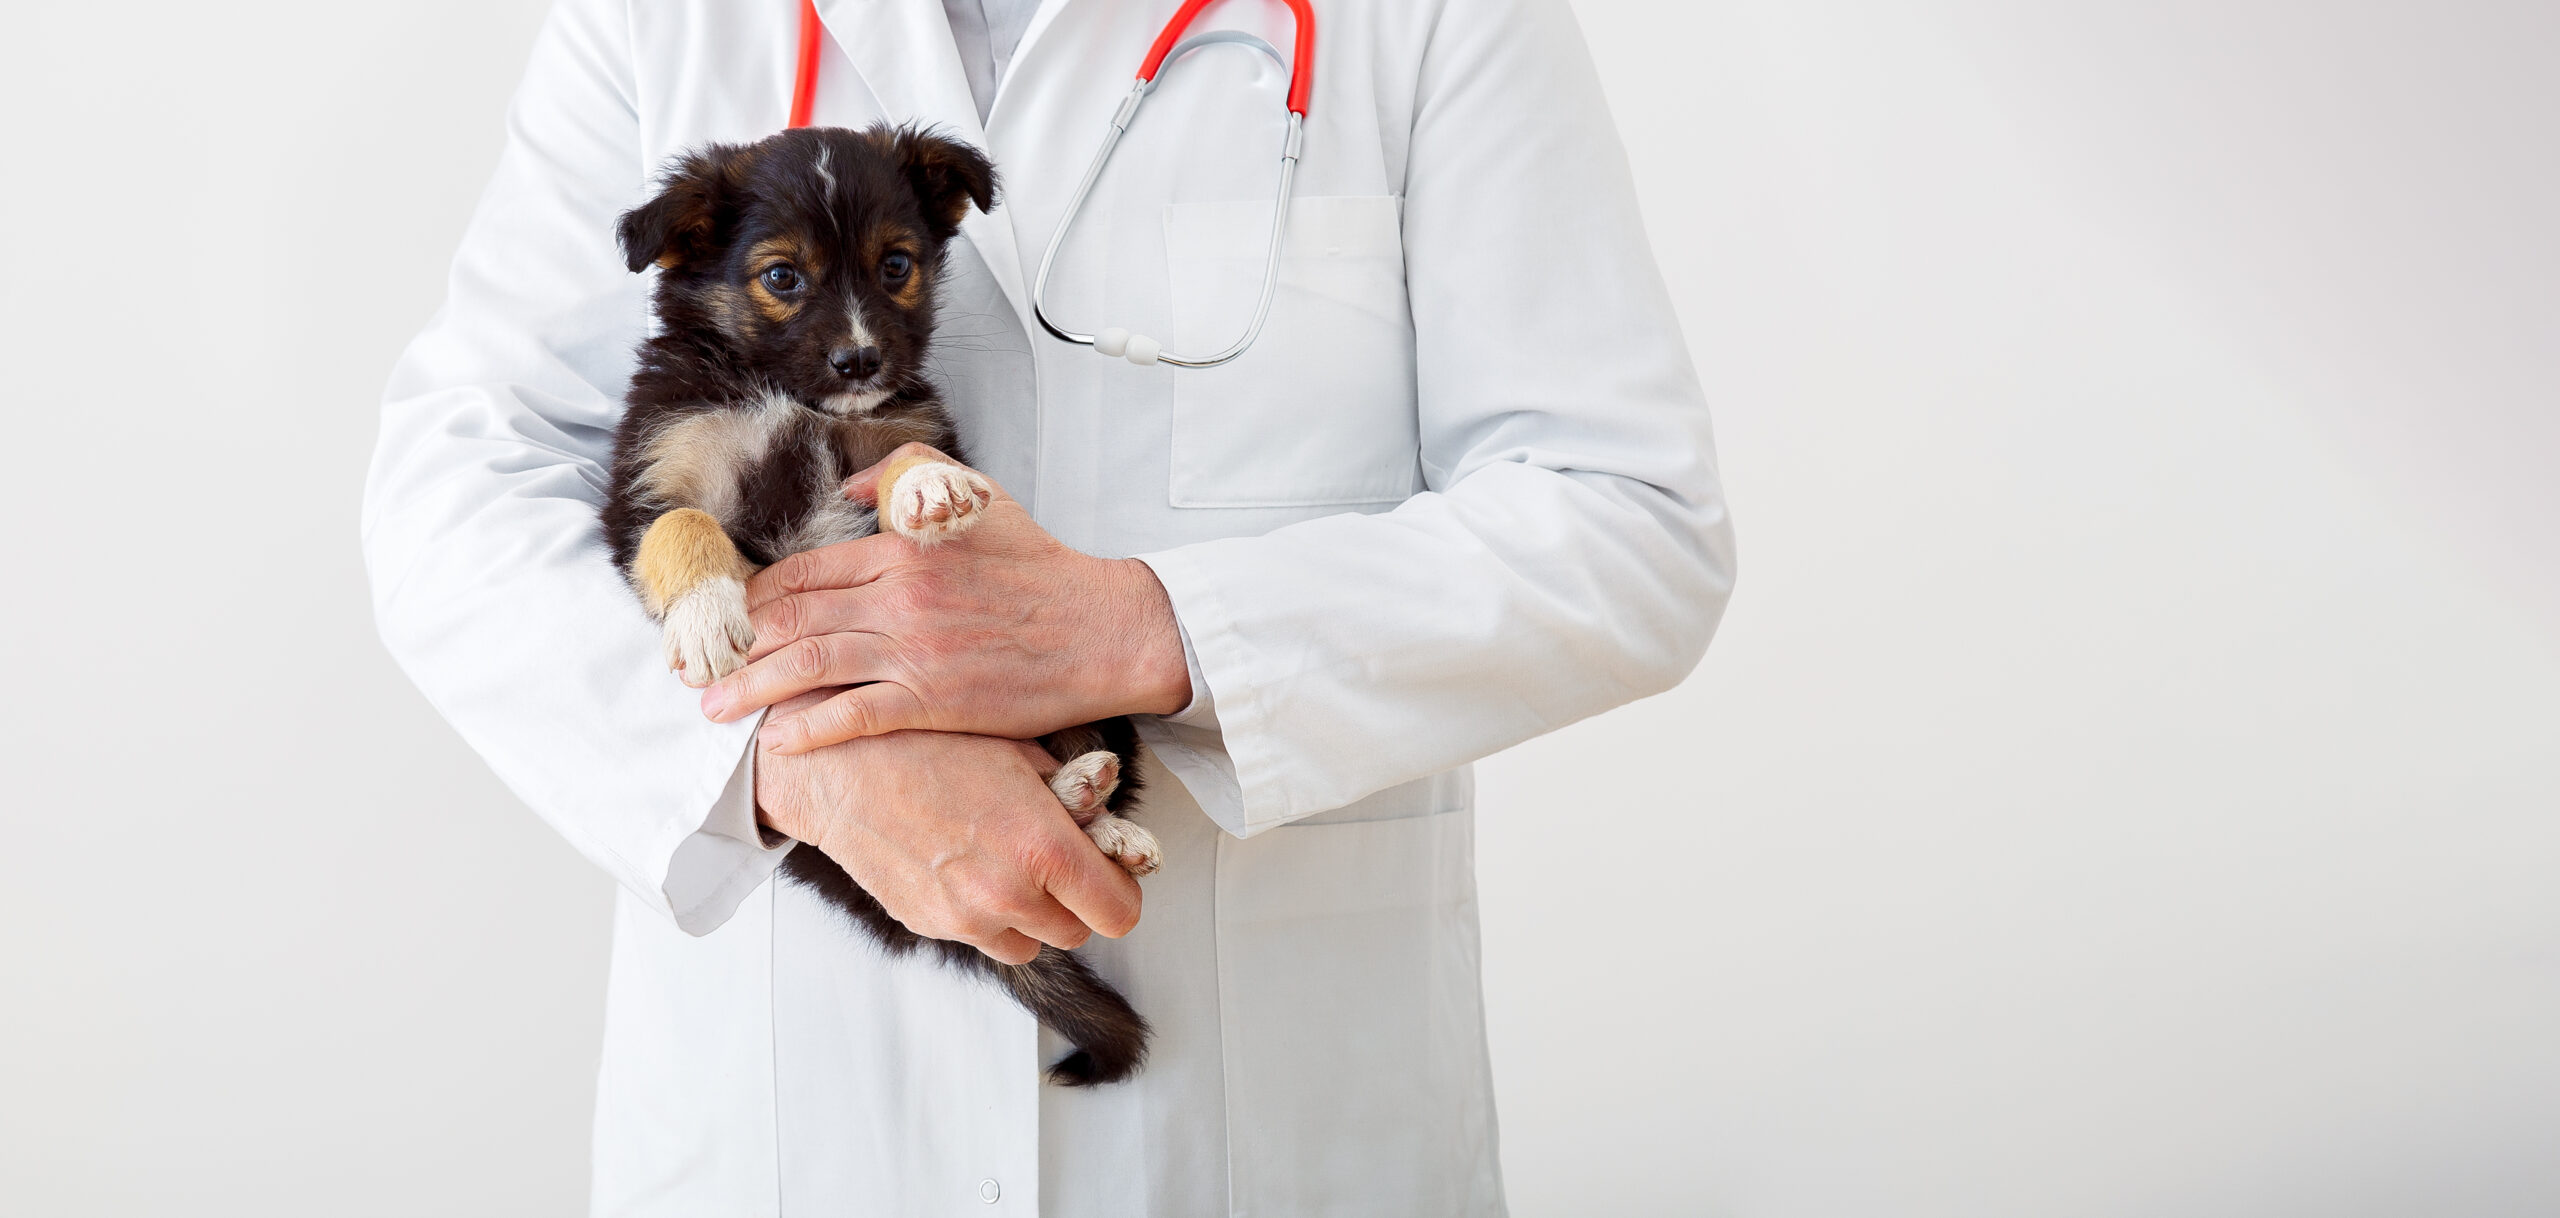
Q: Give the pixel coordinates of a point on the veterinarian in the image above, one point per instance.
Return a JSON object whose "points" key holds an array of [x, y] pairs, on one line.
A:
{"points": [[1459, 492]]}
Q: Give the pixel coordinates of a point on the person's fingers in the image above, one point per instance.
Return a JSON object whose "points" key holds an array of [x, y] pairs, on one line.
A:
{"points": [[1091, 886], [846, 564], [1049, 922], [876, 709], [785, 620], [864, 486], [1035, 755], [1010, 947], [817, 662]]}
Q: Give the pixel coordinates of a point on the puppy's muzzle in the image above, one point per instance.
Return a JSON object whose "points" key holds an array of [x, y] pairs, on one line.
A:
{"points": [[855, 363]]}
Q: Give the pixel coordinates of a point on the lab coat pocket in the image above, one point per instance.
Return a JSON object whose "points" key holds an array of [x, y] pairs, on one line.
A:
{"points": [[1320, 409], [1352, 1019]]}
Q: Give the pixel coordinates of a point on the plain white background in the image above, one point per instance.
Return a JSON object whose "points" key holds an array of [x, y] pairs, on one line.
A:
{"points": [[2127, 783]]}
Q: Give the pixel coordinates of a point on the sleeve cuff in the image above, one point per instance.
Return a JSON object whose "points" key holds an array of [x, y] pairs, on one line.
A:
{"points": [[1198, 760], [1193, 743], [731, 855], [1203, 711]]}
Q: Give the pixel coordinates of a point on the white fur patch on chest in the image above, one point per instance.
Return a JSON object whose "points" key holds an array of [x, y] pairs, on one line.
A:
{"points": [[703, 461], [830, 521], [698, 461]]}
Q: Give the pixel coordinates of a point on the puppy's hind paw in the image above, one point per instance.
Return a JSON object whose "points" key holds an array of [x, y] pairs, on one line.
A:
{"points": [[1127, 842], [1085, 784], [934, 501], [707, 633]]}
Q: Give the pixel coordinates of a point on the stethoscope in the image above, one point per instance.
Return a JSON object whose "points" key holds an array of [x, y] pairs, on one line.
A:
{"points": [[1169, 45]]}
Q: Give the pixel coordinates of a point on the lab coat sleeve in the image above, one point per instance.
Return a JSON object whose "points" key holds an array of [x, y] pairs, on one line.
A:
{"points": [[491, 583], [1571, 551], [1193, 748]]}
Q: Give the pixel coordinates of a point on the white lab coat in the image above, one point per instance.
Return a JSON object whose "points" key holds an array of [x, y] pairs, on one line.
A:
{"points": [[1462, 492]]}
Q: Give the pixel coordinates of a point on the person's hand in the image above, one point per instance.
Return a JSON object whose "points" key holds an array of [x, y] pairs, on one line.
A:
{"points": [[957, 836], [1002, 631]]}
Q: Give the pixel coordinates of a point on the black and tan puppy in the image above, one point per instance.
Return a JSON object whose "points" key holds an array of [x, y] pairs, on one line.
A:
{"points": [[795, 302]]}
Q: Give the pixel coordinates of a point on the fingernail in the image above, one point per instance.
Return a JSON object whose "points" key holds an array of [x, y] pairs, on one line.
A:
{"points": [[771, 736], [715, 704]]}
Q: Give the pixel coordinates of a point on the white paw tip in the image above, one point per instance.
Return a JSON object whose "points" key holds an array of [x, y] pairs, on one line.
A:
{"points": [[937, 500], [707, 633], [1127, 842], [1085, 784]]}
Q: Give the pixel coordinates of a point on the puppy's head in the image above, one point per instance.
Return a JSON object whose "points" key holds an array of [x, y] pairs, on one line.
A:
{"points": [[809, 258]]}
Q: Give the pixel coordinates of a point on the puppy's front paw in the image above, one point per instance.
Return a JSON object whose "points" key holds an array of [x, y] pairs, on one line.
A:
{"points": [[935, 500], [707, 632], [1085, 784], [1128, 842]]}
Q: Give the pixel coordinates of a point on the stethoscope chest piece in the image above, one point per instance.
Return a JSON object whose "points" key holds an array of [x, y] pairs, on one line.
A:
{"points": [[1138, 348]]}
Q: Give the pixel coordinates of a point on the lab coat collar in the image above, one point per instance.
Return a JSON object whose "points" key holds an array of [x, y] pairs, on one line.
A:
{"points": [[904, 52]]}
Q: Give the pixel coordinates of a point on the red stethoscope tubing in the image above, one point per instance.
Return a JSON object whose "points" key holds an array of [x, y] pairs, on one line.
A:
{"points": [[1302, 49], [804, 82]]}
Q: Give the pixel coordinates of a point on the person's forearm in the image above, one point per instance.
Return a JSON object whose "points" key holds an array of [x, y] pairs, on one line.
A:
{"points": [[479, 515], [959, 837], [1003, 631]]}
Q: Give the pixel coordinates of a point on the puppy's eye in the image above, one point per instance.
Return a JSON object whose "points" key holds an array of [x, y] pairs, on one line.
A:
{"points": [[781, 278], [896, 267]]}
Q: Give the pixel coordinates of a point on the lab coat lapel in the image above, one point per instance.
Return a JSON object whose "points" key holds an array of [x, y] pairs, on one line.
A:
{"points": [[905, 53], [1041, 18]]}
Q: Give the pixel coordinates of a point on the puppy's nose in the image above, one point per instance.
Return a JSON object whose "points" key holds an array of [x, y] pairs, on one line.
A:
{"points": [[854, 363]]}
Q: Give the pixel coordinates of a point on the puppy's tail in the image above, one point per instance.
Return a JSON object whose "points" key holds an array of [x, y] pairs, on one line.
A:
{"points": [[1109, 1035]]}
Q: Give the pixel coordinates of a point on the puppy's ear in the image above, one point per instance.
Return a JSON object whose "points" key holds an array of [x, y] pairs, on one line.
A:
{"points": [[682, 224], [947, 176]]}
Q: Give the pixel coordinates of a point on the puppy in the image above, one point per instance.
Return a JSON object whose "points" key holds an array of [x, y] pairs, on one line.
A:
{"points": [[795, 302]]}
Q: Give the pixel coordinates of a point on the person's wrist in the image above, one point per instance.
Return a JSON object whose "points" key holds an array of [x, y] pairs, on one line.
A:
{"points": [[777, 809], [1145, 665]]}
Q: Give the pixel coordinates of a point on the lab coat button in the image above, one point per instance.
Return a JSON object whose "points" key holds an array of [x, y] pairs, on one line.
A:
{"points": [[988, 1191]]}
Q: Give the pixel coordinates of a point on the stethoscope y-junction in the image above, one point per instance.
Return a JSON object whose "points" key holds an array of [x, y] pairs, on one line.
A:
{"points": [[1169, 46]]}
